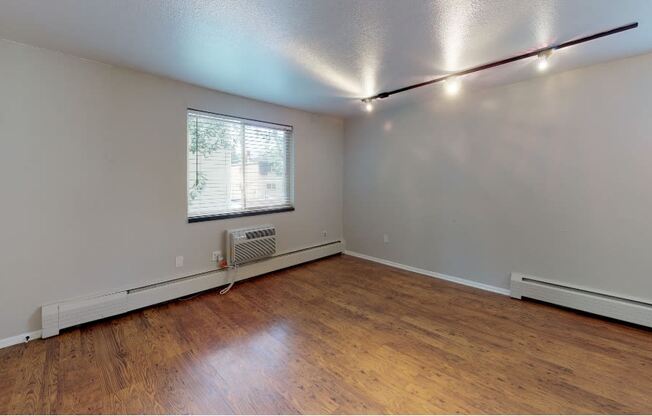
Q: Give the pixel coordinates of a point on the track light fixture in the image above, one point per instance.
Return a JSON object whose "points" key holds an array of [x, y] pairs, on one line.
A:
{"points": [[542, 62], [452, 82]]}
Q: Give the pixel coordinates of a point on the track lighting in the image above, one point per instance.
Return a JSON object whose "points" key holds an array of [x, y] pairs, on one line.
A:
{"points": [[452, 85], [543, 60]]}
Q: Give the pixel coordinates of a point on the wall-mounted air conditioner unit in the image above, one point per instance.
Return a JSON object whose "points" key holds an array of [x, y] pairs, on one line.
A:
{"points": [[249, 244]]}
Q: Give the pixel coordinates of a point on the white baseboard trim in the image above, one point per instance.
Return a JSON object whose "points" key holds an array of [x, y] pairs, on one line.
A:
{"points": [[65, 314], [465, 282], [19, 339], [145, 296], [612, 305]]}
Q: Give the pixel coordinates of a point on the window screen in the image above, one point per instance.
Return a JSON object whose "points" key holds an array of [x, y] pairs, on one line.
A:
{"points": [[237, 167]]}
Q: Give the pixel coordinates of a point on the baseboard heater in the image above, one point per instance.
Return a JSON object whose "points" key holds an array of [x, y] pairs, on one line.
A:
{"points": [[57, 316], [636, 311]]}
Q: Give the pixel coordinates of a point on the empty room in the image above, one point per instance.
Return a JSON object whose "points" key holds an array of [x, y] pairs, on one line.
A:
{"points": [[326, 207]]}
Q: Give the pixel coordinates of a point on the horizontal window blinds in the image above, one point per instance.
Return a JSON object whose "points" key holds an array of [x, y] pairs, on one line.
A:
{"points": [[237, 166]]}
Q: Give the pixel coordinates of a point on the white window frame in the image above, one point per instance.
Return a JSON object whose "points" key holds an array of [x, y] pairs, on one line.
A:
{"points": [[290, 171]]}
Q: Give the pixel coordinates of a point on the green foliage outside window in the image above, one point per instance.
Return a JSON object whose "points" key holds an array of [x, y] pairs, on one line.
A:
{"points": [[206, 139]]}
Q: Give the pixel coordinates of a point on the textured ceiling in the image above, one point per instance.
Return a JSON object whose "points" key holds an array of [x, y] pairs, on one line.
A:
{"points": [[322, 55]]}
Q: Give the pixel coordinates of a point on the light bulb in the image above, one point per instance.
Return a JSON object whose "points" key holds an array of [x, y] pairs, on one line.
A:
{"points": [[452, 85], [369, 107], [543, 63]]}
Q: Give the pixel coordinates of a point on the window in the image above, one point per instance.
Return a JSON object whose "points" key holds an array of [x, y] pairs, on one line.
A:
{"points": [[237, 167]]}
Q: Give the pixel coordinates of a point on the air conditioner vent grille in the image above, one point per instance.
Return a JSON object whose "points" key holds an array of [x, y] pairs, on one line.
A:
{"points": [[250, 244], [260, 233]]}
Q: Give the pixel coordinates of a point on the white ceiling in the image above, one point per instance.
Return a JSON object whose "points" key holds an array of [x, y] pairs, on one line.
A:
{"points": [[323, 55]]}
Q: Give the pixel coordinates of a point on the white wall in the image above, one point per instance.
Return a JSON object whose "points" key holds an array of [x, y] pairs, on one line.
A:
{"points": [[92, 180], [551, 177]]}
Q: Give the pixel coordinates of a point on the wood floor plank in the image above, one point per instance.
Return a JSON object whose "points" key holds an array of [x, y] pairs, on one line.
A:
{"points": [[339, 335]]}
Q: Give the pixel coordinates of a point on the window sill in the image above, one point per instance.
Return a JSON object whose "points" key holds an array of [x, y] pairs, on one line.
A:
{"points": [[239, 214]]}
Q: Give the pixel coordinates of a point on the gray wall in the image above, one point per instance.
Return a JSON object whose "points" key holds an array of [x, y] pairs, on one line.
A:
{"points": [[92, 180], [551, 177]]}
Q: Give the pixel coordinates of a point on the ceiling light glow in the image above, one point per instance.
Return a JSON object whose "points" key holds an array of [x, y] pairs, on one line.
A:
{"points": [[543, 60], [368, 107], [452, 85]]}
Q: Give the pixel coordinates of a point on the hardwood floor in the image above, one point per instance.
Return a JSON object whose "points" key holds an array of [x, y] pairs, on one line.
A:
{"points": [[340, 335]]}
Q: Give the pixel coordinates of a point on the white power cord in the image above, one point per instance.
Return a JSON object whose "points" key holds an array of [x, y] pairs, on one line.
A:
{"points": [[231, 281]]}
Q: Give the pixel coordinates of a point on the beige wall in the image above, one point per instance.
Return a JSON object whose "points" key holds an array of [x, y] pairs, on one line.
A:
{"points": [[551, 177], [92, 180]]}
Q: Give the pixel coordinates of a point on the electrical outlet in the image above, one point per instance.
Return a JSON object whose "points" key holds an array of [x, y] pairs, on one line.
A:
{"points": [[385, 238], [324, 233], [217, 256], [179, 261]]}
